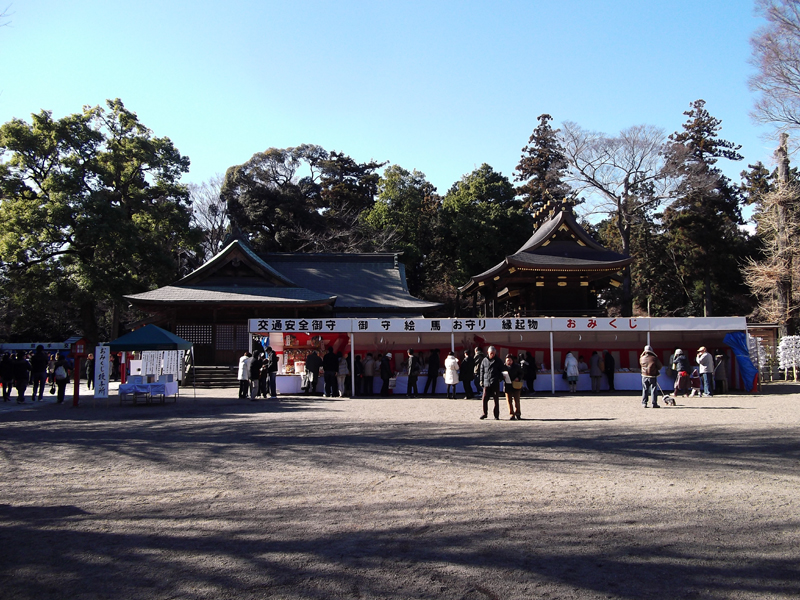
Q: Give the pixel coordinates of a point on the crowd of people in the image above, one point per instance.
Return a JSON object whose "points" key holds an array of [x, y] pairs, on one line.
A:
{"points": [[257, 374], [479, 373], [708, 376], [20, 369]]}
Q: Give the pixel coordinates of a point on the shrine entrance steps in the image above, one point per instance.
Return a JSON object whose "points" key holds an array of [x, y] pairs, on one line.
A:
{"points": [[213, 377]]}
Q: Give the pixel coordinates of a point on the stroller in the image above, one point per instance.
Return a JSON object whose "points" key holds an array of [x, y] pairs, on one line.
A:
{"points": [[695, 383]]}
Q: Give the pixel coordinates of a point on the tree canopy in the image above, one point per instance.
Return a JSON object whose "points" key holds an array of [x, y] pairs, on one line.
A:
{"points": [[93, 209], [302, 199], [702, 222]]}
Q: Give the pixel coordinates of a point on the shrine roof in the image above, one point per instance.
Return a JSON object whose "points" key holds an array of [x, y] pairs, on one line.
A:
{"points": [[238, 275], [575, 251], [173, 294], [359, 281]]}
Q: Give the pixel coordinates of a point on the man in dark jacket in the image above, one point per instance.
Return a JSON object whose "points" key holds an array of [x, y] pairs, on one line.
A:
{"points": [[272, 372], [651, 367], [330, 368], [467, 374], [39, 372], [313, 363], [7, 376], [22, 373], [433, 372], [609, 366], [255, 375], [491, 373]]}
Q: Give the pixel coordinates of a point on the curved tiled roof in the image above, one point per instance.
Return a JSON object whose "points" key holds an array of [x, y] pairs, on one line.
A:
{"points": [[174, 294], [543, 253]]}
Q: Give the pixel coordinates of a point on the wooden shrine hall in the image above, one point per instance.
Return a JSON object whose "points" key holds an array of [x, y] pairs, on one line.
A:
{"points": [[211, 306], [559, 271]]}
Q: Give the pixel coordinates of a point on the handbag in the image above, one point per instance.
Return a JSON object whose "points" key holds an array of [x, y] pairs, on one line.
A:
{"points": [[517, 385], [53, 388]]}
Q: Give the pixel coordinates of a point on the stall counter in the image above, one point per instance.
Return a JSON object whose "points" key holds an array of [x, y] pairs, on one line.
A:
{"points": [[623, 381]]}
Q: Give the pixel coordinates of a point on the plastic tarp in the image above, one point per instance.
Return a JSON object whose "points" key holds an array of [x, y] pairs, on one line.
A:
{"points": [[737, 341]]}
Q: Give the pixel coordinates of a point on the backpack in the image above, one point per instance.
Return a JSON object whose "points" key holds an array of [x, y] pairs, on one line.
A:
{"points": [[61, 372]]}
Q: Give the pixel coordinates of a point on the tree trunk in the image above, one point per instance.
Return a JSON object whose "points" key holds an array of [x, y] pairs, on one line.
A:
{"points": [[624, 227], [89, 323], [114, 323], [708, 306], [784, 287]]}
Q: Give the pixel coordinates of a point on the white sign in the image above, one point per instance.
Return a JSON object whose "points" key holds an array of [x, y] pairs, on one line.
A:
{"points": [[492, 325], [171, 361], [589, 324], [402, 325], [311, 326], [102, 363], [151, 363]]}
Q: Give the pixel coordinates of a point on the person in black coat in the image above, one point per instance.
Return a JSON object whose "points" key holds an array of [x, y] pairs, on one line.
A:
{"points": [[609, 366], [491, 374], [313, 364], [467, 375], [22, 375], [7, 376], [528, 365], [433, 371], [255, 375], [330, 368]]}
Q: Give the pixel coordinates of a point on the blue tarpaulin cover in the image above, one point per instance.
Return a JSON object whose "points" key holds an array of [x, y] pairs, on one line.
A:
{"points": [[737, 341]]}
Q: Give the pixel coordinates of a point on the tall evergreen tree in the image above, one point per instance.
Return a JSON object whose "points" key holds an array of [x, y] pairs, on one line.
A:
{"points": [[702, 222], [92, 208], [542, 168], [484, 221], [408, 205]]}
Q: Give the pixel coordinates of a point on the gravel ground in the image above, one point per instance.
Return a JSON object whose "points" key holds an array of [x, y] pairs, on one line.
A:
{"points": [[586, 497]]}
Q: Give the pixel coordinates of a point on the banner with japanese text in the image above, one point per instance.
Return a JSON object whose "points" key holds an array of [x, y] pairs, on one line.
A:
{"points": [[300, 326], [402, 325], [589, 324], [102, 363]]}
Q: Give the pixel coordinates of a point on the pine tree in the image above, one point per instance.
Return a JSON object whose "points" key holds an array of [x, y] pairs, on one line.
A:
{"points": [[702, 223], [542, 167]]}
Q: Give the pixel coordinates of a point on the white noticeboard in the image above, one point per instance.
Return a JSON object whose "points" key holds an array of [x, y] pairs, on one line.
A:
{"points": [[102, 361], [171, 362], [151, 363]]}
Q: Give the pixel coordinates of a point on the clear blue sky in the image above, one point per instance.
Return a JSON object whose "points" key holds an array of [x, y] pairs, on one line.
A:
{"points": [[441, 87]]}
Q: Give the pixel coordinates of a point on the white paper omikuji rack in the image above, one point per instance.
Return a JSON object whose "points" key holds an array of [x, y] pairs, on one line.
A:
{"points": [[789, 354]]}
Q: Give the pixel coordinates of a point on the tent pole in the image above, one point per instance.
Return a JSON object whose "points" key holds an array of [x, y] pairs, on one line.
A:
{"points": [[352, 365], [194, 374], [552, 366]]}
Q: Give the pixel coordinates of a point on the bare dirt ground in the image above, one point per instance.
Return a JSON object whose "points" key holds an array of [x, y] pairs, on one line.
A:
{"points": [[587, 497]]}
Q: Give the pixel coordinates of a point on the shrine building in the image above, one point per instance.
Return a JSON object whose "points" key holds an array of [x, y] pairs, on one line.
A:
{"points": [[559, 271]]}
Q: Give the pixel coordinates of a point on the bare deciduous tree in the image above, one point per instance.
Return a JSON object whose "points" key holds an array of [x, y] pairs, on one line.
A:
{"points": [[772, 279], [210, 213], [776, 55], [353, 236], [622, 175]]}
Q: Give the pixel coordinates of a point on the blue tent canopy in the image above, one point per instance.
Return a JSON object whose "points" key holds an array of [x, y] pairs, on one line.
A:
{"points": [[149, 337]]}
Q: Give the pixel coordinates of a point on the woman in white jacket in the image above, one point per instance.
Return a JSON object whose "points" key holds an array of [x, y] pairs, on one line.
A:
{"points": [[244, 374], [451, 374], [572, 371]]}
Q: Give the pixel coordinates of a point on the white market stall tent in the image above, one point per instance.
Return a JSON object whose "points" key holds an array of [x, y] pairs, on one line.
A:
{"points": [[548, 339]]}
